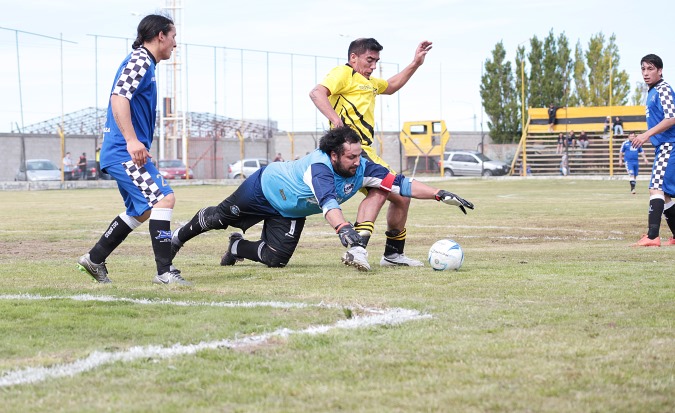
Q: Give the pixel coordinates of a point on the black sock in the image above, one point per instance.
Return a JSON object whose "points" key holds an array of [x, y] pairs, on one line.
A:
{"points": [[111, 239], [395, 242], [632, 185], [249, 249], [198, 225], [669, 214], [160, 235], [655, 210], [365, 229]]}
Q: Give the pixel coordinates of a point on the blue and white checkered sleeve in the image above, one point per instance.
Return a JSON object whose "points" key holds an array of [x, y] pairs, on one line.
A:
{"points": [[132, 74], [667, 100]]}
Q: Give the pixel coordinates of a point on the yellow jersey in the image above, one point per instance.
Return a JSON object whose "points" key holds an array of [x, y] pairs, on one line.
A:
{"points": [[353, 99]]}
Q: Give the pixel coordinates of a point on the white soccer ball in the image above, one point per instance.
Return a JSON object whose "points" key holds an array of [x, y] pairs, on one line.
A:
{"points": [[446, 254]]}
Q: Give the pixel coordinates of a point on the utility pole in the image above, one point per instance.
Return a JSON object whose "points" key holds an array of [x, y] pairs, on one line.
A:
{"points": [[173, 119]]}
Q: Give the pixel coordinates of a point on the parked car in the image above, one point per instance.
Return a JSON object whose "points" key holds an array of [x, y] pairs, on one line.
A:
{"points": [[174, 169], [38, 170], [472, 163], [235, 171]]}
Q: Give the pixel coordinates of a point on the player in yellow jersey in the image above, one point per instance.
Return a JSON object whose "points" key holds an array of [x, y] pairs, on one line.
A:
{"points": [[346, 96]]}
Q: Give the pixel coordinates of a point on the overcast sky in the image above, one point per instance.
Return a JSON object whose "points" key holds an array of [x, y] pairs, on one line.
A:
{"points": [[463, 32]]}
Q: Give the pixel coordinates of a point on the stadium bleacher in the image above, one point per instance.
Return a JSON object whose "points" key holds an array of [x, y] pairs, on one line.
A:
{"points": [[541, 145]]}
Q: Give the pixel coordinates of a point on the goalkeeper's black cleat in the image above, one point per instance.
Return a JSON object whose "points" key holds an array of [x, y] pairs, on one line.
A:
{"points": [[99, 272], [228, 257]]}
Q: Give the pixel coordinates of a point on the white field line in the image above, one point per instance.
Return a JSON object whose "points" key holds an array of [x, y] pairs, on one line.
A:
{"points": [[498, 227], [501, 227], [374, 317]]}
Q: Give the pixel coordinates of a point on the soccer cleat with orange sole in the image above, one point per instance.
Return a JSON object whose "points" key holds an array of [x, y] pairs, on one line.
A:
{"points": [[671, 241], [645, 241]]}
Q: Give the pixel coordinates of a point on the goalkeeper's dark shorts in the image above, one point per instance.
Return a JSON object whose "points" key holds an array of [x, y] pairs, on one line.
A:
{"points": [[247, 206]]}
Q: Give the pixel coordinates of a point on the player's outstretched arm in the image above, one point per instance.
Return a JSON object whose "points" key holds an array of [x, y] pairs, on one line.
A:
{"points": [[397, 81], [420, 190]]}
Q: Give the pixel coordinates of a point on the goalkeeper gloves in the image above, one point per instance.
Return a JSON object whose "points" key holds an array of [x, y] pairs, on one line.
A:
{"points": [[452, 199], [348, 235]]}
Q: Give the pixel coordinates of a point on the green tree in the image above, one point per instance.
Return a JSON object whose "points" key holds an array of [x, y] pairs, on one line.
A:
{"points": [[639, 94], [553, 77], [603, 62], [620, 83], [598, 72], [500, 100], [564, 70], [580, 93], [550, 72], [536, 78]]}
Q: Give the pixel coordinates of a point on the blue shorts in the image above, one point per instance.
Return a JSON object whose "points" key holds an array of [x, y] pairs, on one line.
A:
{"points": [[141, 188], [632, 168], [663, 172]]}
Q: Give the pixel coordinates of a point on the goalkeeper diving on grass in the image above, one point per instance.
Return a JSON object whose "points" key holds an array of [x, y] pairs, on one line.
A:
{"points": [[283, 194]]}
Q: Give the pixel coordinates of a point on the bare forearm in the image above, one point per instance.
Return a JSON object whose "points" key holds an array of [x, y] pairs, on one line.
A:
{"points": [[122, 114], [660, 127], [421, 190], [335, 217], [397, 81], [319, 96]]}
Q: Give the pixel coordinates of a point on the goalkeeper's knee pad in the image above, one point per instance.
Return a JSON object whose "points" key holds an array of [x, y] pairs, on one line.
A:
{"points": [[271, 257], [212, 218]]}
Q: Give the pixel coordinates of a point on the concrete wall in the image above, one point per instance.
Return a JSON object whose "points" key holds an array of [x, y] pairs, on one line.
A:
{"points": [[210, 157], [40, 147]]}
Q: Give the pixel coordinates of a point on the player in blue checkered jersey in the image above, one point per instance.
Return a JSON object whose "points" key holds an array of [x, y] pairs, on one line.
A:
{"points": [[125, 154], [661, 133], [630, 157]]}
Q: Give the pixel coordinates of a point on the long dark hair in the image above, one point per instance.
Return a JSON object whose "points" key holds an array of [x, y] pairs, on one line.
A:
{"points": [[150, 27]]}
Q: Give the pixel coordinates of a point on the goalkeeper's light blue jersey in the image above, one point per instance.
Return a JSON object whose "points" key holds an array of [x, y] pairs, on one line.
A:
{"points": [[135, 80], [660, 105], [311, 186]]}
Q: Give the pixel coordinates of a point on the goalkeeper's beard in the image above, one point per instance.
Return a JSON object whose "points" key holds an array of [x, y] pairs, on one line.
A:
{"points": [[344, 172]]}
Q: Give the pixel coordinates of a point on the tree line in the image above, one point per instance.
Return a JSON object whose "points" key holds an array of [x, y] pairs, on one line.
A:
{"points": [[551, 73]]}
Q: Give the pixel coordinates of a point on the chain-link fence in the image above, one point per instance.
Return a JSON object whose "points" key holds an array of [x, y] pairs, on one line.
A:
{"points": [[52, 83]]}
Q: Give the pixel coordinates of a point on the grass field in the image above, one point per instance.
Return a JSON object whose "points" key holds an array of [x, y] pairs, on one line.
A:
{"points": [[551, 312]]}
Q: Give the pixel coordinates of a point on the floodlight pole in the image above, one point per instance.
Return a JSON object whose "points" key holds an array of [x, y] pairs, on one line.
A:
{"points": [[523, 171], [18, 66]]}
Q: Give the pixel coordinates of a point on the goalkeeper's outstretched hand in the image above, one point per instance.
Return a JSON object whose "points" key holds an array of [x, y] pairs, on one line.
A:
{"points": [[452, 199]]}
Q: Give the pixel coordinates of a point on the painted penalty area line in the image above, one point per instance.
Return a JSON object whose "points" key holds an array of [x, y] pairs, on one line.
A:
{"points": [[373, 317]]}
